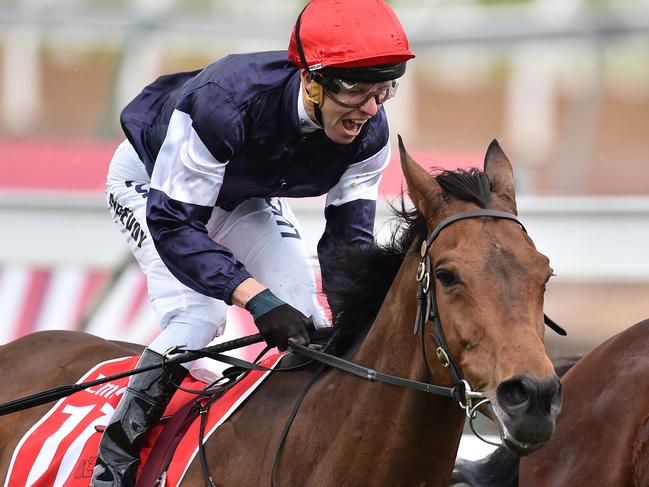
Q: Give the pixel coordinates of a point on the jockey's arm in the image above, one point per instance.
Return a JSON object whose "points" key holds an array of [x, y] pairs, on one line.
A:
{"points": [[246, 291], [351, 209]]}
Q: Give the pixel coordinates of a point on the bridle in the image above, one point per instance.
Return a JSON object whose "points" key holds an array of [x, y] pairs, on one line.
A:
{"points": [[427, 312], [461, 392], [427, 303]]}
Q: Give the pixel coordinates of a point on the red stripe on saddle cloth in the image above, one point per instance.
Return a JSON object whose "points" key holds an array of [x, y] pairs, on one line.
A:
{"points": [[60, 450]]}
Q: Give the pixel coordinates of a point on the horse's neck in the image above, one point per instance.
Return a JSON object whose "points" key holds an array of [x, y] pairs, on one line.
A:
{"points": [[410, 435], [391, 345]]}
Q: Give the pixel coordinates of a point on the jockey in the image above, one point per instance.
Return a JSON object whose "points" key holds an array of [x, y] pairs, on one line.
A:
{"points": [[198, 190]]}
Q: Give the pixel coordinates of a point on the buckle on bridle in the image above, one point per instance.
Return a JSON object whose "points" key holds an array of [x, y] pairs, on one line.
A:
{"points": [[469, 396], [442, 356], [421, 271]]}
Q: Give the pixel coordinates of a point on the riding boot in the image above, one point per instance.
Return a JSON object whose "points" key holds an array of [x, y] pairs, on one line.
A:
{"points": [[141, 407]]}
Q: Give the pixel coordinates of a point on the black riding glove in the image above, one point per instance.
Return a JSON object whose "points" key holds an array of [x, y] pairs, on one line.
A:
{"points": [[278, 321]]}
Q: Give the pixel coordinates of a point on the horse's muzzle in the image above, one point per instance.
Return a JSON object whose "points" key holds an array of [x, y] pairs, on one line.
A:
{"points": [[530, 409]]}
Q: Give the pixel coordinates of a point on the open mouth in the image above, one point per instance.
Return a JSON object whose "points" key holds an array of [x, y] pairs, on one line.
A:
{"points": [[353, 127]]}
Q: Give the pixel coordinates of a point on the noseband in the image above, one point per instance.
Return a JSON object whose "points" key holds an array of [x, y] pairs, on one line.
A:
{"points": [[427, 309]]}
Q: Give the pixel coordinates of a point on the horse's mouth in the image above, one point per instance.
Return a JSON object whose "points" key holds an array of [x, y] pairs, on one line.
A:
{"points": [[525, 410], [521, 448], [518, 446]]}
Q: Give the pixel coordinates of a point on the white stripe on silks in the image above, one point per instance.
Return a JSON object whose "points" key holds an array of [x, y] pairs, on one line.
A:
{"points": [[185, 170], [361, 180], [62, 299], [110, 318], [14, 280]]}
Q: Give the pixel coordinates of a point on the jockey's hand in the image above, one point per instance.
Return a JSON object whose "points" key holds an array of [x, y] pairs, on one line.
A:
{"points": [[278, 321]]}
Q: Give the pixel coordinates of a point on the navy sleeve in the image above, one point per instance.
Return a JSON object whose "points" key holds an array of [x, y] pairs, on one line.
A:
{"points": [[349, 224], [203, 132], [179, 233], [351, 209]]}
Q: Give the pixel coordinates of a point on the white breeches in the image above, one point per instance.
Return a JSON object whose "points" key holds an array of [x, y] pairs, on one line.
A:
{"points": [[262, 234]]}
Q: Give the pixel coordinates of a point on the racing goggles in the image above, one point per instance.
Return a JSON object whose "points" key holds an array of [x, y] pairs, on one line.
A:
{"points": [[355, 95]]}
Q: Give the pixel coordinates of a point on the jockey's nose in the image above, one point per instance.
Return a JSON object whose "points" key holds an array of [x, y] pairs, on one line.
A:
{"points": [[371, 106]]}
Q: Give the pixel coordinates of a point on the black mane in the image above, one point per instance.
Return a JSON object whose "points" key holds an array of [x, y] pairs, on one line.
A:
{"points": [[471, 185], [363, 275]]}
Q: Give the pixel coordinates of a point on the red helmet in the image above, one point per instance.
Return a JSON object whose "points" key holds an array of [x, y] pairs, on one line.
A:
{"points": [[344, 34]]}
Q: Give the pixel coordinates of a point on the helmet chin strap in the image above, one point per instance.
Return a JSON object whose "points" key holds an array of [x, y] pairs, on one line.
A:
{"points": [[314, 99]]}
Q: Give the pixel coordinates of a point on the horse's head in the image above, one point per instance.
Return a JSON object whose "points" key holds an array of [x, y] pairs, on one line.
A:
{"points": [[488, 281]]}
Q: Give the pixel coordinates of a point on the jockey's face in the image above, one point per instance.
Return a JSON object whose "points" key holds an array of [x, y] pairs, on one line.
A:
{"points": [[341, 124]]}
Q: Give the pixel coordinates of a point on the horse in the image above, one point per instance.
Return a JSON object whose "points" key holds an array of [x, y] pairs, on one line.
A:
{"points": [[602, 434], [475, 291]]}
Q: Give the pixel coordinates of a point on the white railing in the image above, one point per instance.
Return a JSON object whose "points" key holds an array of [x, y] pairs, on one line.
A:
{"points": [[586, 238]]}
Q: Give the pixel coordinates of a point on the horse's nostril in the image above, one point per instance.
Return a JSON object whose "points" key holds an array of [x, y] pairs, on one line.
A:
{"points": [[525, 395], [513, 395]]}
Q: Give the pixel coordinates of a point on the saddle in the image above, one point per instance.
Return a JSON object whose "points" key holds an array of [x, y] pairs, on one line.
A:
{"points": [[154, 470]]}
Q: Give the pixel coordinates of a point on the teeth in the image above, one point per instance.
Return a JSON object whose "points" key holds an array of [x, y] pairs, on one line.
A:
{"points": [[354, 125]]}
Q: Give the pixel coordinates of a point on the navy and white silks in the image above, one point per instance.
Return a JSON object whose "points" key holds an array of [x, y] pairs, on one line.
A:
{"points": [[210, 157]]}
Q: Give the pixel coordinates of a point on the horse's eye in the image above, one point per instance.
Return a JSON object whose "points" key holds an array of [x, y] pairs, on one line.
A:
{"points": [[447, 278]]}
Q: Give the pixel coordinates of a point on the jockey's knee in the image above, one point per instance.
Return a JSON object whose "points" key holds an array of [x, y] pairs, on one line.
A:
{"points": [[185, 331]]}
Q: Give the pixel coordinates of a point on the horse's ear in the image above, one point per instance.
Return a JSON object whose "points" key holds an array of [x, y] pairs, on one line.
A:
{"points": [[422, 186], [501, 175]]}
